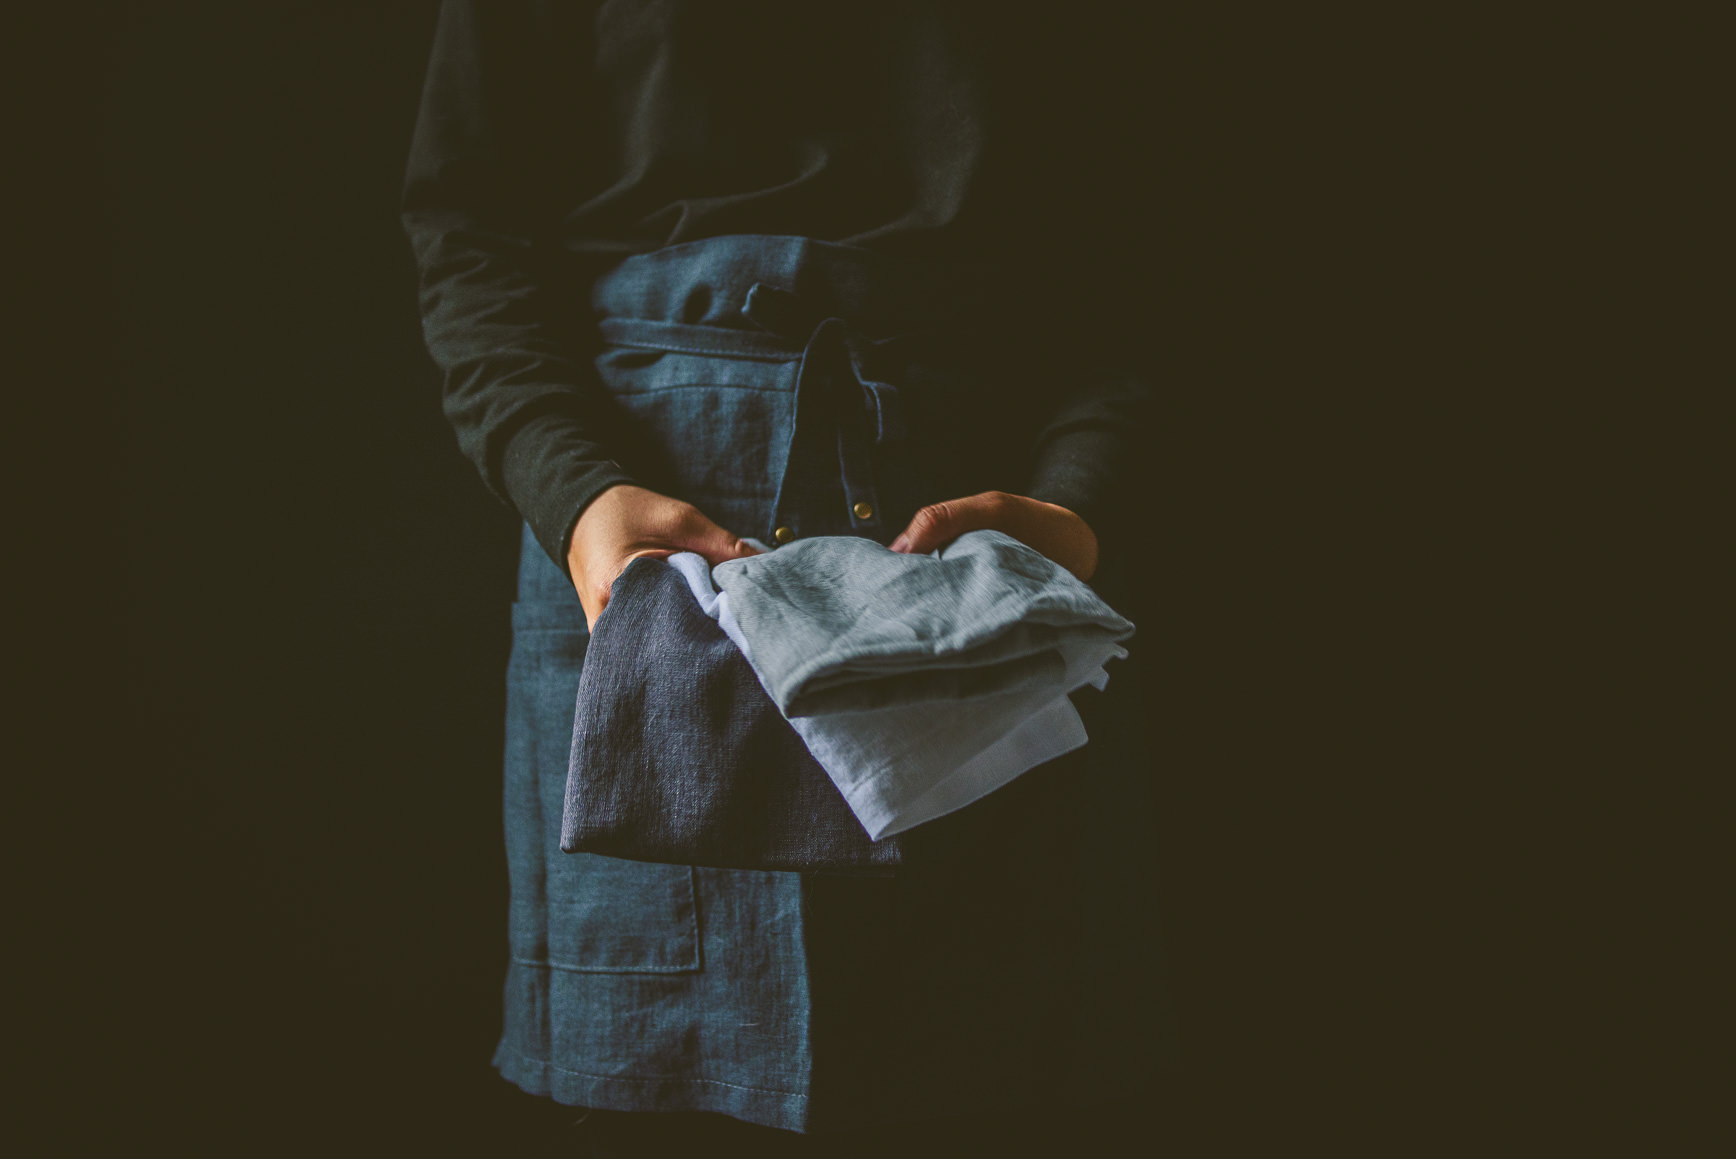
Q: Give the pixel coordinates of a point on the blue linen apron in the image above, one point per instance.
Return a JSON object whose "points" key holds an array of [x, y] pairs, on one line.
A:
{"points": [[786, 387]]}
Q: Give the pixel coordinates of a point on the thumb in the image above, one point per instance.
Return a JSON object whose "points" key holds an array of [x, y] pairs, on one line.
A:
{"points": [[718, 545], [940, 523]]}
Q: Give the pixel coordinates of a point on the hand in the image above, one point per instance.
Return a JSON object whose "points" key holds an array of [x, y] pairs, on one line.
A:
{"points": [[625, 523], [1045, 527]]}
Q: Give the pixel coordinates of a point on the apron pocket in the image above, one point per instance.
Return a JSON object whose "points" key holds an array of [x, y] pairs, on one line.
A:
{"points": [[712, 431], [575, 912], [608, 916]]}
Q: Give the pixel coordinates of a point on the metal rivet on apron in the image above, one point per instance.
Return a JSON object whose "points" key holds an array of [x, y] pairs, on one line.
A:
{"points": [[783, 534], [863, 511]]}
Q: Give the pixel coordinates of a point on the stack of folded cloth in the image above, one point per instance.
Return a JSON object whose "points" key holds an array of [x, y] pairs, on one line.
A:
{"points": [[914, 684]]}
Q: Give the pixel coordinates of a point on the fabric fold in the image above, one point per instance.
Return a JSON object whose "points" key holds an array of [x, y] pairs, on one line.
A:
{"points": [[918, 683], [679, 756], [837, 613]]}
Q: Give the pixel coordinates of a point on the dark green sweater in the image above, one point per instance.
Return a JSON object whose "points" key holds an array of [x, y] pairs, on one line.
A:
{"points": [[556, 138]]}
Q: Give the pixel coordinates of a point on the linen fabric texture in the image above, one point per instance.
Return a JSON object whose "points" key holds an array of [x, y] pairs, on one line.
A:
{"points": [[679, 756], [920, 683]]}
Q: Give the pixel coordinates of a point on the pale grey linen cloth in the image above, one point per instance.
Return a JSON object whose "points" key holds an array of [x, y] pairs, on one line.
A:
{"points": [[920, 683]]}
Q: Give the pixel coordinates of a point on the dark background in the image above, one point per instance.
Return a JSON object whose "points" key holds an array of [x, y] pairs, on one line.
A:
{"points": [[317, 584]]}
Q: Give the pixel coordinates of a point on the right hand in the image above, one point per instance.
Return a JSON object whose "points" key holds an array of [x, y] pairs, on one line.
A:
{"points": [[625, 523]]}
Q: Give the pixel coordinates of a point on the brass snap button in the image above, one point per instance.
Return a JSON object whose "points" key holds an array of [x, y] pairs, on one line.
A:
{"points": [[863, 511], [783, 534]]}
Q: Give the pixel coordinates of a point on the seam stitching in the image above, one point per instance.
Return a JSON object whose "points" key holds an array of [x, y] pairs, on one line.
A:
{"points": [[613, 1078]]}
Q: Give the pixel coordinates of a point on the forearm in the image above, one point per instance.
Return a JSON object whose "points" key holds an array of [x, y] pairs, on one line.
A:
{"points": [[497, 158], [552, 470], [1089, 457]]}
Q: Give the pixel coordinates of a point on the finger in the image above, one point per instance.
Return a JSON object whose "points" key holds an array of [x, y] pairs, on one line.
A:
{"points": [[939, 524], [716, 544]]}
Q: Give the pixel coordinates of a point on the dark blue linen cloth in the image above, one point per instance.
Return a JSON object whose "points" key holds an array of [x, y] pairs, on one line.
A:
{"points": [[630, 985], [679, 755]]}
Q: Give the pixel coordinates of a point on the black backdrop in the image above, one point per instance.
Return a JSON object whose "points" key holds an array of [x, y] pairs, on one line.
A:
{"points": [[317, 584]]}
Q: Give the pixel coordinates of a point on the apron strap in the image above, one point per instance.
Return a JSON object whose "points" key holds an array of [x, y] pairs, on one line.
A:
{"points": [[833, 390]]}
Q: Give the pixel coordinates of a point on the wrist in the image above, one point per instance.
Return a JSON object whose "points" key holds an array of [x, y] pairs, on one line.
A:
{"points": [[595, 506]]}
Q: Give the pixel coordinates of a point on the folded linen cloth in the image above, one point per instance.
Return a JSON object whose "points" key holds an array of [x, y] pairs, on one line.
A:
{"points": [[679, 756], [920, 683]]}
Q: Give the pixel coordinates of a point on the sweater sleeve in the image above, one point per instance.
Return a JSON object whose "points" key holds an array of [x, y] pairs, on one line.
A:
{"points": [[498, 153], [1085, 457], [1092, 451], [1092, 243]]}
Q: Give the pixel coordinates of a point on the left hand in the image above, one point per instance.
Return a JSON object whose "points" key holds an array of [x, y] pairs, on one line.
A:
{"points": [[1044, 527]]}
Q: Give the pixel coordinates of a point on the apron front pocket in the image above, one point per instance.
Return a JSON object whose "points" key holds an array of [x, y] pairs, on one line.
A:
{"points": [[575, 912], [712, 431]]}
